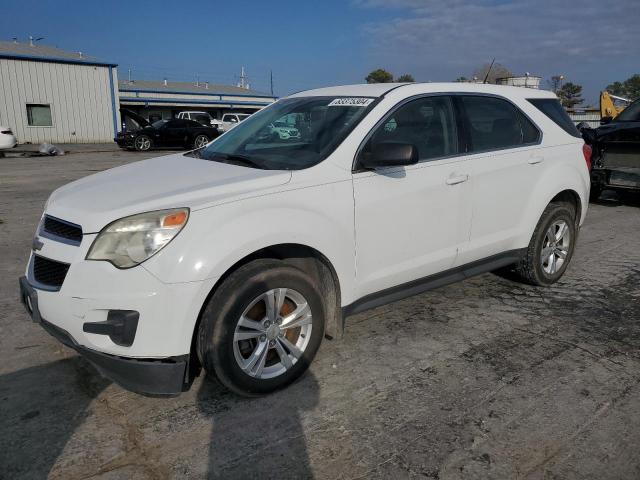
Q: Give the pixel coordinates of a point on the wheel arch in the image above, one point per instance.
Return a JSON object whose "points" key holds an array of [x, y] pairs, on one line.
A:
{"points": [[303, 257], [570, 196]]}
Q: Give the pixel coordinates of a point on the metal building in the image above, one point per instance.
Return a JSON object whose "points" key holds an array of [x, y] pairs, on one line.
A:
{"points": [[157, 100], [51, 95], [526, 81]]}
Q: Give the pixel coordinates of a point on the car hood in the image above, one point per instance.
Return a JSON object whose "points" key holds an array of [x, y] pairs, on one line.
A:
{"points": [[155, 184]]}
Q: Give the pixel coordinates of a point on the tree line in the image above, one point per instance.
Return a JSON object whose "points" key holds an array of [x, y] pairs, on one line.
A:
{"points": [[569, 93]]}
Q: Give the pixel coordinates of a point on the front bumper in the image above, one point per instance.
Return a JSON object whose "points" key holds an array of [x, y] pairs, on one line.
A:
{"points": [[153, 377], [125, 141]]}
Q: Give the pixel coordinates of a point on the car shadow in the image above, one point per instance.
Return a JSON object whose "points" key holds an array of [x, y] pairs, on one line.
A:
{"points": [[258, 437], [41, 407], [613, 198]]}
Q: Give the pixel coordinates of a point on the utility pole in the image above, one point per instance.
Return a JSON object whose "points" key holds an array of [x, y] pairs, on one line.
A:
{"points": [[271, 81]]}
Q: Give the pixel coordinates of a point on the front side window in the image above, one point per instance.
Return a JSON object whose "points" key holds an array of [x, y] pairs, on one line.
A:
{"points": [[177, 123], [192, 124], [495, 124], [39, 115], [427, 123], [315, 127]]}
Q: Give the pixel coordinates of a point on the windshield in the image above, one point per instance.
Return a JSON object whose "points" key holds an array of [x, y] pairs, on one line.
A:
{"points": [[630, 114], [159, 123], [321, 124]]}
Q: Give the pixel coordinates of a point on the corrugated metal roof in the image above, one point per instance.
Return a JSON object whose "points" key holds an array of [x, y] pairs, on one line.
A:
{"points": [[26, 51], [186, 88]]}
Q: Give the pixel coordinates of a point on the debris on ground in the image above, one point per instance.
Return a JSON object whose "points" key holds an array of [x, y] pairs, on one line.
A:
{"points": [[50, 149]]}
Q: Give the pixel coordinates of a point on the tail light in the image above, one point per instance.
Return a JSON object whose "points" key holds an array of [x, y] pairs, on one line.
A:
{"points": [[586, 151]]}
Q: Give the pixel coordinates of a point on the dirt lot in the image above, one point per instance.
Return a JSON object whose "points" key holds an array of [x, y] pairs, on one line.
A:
{"points": [[482, 379]]}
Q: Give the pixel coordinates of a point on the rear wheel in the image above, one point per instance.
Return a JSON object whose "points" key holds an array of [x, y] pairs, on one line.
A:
{"points": [[200, 141], [551, 246], [262, 327]]}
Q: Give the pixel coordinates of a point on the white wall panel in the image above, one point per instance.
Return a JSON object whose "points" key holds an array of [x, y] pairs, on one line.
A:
{"points": [[79, 95]]}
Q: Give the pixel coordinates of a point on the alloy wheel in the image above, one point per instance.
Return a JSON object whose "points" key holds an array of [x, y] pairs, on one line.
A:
{"points": [[555, 247], [201, 141], [143, 143], [272, 333]]}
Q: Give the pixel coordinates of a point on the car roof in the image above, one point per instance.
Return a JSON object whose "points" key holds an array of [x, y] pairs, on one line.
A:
{"points": [[380, 89]]}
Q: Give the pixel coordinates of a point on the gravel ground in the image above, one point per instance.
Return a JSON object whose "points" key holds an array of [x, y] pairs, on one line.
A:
{"points": [[482, 379]]}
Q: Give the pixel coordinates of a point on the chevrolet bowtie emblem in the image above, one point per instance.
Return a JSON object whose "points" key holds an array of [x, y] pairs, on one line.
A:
{"points": [[36, 244]]}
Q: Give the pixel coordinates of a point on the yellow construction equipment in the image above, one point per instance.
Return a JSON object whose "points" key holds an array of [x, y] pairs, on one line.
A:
{"points": [[612, 105]]}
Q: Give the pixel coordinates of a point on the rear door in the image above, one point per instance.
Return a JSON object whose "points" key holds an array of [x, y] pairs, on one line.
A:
{"points": [[504, 163], [411, 221]]}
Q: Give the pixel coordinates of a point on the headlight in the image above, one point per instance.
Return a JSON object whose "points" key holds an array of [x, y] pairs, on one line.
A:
{"points": [[132, 240]]}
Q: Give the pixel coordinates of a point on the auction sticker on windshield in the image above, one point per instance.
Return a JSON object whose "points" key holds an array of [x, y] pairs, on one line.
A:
{"points": [[351, 102]]}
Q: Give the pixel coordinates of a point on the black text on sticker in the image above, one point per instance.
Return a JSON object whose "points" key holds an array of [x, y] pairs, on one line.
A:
{"points": [[351, 102]]}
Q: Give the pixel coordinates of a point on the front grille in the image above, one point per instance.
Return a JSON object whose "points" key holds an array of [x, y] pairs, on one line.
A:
{"points": [[60, 228], [49, 272]]}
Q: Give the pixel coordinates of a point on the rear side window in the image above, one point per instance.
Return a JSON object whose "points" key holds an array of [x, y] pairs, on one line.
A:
{"points": [[551, 108], [495, 124]]}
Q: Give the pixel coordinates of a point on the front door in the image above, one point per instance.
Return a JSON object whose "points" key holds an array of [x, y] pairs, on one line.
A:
{"points": [[175, 133], [411, 221]]}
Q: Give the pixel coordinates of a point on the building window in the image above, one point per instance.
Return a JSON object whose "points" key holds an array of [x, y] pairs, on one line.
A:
{"points": [[39, 115]]}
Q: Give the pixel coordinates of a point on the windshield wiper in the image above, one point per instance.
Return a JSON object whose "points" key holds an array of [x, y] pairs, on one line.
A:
{"points": [[242, 159]]}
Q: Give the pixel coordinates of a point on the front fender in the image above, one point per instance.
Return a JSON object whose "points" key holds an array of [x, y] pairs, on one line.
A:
{"points": [[215, 238]]}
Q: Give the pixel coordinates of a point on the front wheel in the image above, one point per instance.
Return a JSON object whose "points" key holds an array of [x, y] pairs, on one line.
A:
{"points": [[262, 327], [551, 246], [142, 143]]}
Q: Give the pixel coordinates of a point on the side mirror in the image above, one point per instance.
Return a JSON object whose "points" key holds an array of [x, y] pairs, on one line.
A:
{"points": [[605, 120], [389, 154]]}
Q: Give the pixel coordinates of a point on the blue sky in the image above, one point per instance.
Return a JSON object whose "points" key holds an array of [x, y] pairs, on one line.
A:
{"points": [[329, 42]]}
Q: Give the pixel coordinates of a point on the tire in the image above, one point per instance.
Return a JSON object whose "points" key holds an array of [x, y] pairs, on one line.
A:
{"points": [[200, 141], [232, 352], [595, 192], [142, 143], [533, 268]]}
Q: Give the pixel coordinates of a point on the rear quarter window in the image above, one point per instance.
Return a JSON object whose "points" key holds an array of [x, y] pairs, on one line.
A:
{"points": [[551, 108]]}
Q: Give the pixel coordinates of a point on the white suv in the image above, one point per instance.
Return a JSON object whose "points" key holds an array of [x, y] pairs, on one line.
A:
{"points": [[243, 255], [231, 120]]}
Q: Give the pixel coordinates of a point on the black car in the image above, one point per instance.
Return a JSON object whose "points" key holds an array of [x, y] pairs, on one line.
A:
{"points": [[181, 133], [616, 152]]}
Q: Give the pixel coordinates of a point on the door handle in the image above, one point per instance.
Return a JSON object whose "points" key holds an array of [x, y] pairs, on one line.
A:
{"points": [[535, 160], [454, 180]]}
